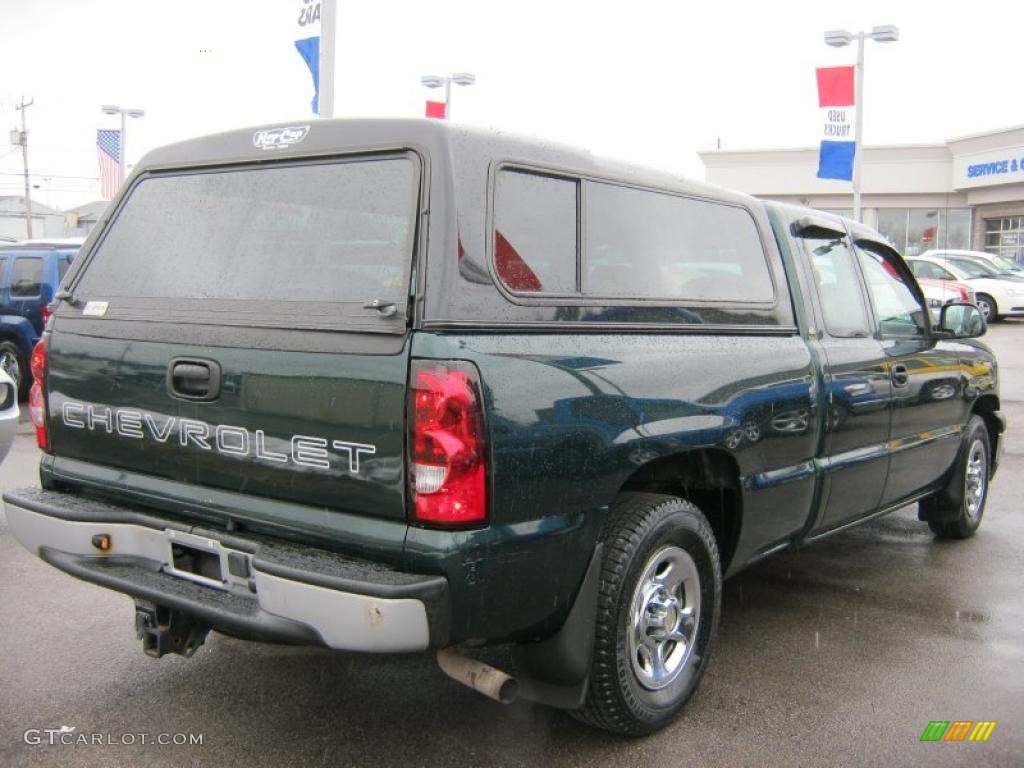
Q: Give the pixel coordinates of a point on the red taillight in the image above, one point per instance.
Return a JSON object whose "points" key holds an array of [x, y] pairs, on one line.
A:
{"points": [[448, 461], [47, 312], [37, 394]]}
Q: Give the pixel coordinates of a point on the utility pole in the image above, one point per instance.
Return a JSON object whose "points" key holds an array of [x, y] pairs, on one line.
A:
{"points": [[23, 140]]}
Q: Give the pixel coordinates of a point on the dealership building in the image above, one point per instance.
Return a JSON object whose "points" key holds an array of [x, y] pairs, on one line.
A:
{"points": [[966, 193]]}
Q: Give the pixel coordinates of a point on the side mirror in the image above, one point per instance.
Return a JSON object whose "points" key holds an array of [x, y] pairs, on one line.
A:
{"points": [[962, 321]]}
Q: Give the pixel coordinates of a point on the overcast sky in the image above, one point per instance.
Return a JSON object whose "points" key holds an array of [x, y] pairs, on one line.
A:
{"points": [[651, 82]]}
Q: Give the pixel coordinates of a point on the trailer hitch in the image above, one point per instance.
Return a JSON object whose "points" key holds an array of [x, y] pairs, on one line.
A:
{"points": [[166, 630]]}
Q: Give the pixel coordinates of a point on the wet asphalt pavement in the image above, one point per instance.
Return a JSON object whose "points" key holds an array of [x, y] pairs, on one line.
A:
{"points": [[837, 654]]}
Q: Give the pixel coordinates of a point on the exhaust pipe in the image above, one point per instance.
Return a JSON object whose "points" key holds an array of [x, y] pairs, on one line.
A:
{"points": [[488, 680]]}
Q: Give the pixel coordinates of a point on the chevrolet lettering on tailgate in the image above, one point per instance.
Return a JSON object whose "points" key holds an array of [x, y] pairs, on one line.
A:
{"points": [[304, 450]]}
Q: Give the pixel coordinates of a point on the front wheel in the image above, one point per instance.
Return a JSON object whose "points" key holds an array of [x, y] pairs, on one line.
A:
{"points": [[988, 307], [959, 508], [658, 610]]}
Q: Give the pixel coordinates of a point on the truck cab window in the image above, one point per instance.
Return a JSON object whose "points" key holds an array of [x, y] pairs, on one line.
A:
{"points": [[839, 286], [898, 309]]}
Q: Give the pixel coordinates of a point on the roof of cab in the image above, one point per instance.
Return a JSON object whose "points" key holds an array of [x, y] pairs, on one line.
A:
{"points": [[329, 137]]}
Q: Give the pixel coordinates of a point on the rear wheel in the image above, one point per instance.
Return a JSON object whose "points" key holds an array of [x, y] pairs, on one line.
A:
{"points": [[961, 505], [14, 365], [988, 307], [658, 611]]}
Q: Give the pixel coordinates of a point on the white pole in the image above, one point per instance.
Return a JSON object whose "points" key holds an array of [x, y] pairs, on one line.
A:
{"points": [[123, 148], [328, 25], [448, 98], [859, 100]]}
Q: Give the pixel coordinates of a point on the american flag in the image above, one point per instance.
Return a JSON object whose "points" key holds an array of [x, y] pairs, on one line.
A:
{"points": [[108, 147]]}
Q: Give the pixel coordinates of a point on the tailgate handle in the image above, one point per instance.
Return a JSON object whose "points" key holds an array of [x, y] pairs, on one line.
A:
{"points": [[193, 379]]}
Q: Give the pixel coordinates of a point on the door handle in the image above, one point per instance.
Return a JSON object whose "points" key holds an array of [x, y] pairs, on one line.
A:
{"points": [[900, 375], [192, 379]]}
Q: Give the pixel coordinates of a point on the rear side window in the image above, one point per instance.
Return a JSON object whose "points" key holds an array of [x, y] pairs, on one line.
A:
{"points": [[535, 233], [27, 276], [334, 232], [649, 245], [928, 269], [632, 243], [63, 263]]}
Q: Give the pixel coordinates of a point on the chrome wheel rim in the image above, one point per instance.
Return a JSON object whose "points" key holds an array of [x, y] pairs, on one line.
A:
{"points": [[975, 479], [9, 365], [664, 617], [986, 309]]}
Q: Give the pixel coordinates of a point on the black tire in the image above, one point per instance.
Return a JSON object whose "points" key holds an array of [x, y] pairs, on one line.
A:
{"points": [[958, 507], [642, 528], [988, 308], [9, 352]]}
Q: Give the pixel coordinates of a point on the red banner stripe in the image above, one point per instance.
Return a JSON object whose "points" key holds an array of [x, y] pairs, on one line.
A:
{"points": [[835, 86]]}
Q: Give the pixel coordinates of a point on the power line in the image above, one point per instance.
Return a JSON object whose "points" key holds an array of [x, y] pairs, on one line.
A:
{"points": [[44, 174]]}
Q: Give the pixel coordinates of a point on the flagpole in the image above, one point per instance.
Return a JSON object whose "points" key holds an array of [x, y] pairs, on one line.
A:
{"points": [[123, 142], [328, 25], [858, 99]]}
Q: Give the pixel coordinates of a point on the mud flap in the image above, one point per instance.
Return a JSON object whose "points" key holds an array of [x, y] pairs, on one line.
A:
{"points": [[556, 671]]}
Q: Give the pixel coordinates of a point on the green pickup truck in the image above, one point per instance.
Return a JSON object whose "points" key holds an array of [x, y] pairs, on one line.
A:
{"points": [[393, 386]]}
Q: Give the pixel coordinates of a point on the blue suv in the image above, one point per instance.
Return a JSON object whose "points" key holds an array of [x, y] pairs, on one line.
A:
{"points": [[29, 276]]}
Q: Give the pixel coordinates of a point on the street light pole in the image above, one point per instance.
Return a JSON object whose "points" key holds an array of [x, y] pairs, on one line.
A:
{"points": [[125, 112], [858, 85], [436, 81], [839, 38], [123, 149], [328, 27]]}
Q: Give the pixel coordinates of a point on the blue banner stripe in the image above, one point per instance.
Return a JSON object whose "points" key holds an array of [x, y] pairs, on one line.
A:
{"points": [[309, 49], [835, 160]]}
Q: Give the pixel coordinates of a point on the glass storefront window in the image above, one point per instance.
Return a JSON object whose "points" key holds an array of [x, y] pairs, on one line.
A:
{"points": [[892, 223], [922, 231], [1005, 236], [955, 229], [913, 231]]}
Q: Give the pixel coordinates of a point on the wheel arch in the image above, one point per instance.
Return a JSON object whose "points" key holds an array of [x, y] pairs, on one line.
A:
{"points": [[707, 477], [987, 407]]}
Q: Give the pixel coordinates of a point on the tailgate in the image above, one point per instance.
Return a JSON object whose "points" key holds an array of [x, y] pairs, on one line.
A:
{"points": [[245, 328], [319, 428]]}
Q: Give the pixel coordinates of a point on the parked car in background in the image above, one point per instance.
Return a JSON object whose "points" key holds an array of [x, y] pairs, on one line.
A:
{"points": [[941, 292], [997, 295], [8, 413], [1000, 263], [29, 276]]}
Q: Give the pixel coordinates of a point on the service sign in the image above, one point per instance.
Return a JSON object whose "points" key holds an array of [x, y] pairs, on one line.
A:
{"points": [[987, 169]]}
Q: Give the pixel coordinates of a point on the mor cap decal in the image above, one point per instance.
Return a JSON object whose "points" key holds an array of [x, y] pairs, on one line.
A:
{"points": [[277, 138]]}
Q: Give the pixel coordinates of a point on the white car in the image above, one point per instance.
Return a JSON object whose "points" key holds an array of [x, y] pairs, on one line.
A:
{"points": [[1000, 263], [941, 292], [997, 296], [8, 413]]}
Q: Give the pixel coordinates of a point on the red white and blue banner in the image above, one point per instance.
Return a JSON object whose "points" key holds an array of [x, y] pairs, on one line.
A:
{"points": [[308, 44], [838, 118]]}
